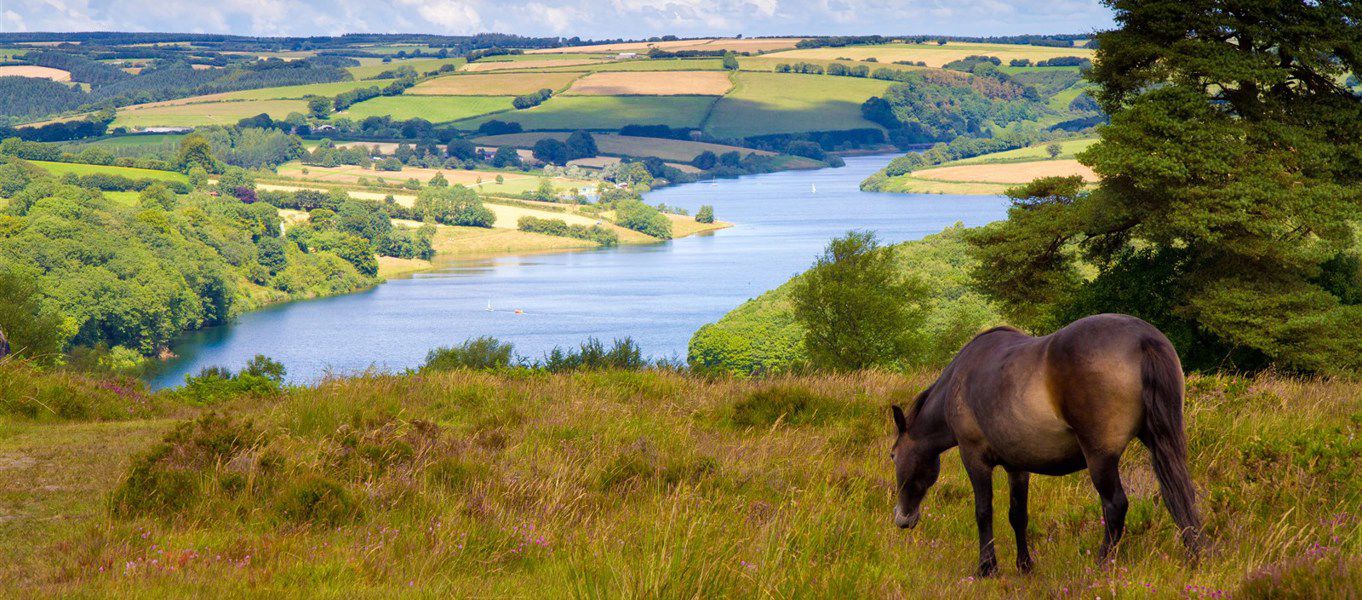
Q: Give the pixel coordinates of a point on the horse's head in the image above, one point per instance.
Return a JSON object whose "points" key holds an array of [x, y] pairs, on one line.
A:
{"points": [[916, 466]]}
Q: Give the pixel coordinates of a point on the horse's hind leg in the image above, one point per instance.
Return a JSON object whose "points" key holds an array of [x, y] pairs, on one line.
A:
{"points": [[1020, 483], [1104, 469], [981, 479]]}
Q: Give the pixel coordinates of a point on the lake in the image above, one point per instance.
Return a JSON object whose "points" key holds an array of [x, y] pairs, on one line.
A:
{"points": [[657, 294]]}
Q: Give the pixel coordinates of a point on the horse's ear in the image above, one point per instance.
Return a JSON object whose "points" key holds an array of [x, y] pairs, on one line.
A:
{"points": [[899, 421]]}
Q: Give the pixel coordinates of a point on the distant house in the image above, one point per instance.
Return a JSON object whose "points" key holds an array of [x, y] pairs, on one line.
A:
{"points": [[626, 55], [165, 130]]}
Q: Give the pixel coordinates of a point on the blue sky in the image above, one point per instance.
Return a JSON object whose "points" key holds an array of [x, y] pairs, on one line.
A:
{"points": [[585, 18]]}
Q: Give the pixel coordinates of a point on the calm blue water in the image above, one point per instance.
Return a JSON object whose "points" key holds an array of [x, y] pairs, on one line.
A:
{"points": [[658, 294]]}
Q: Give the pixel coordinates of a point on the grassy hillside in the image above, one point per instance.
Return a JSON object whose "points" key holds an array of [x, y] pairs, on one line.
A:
{"points": [[436, 109], [61, 168], [567, 113], [761, 336], [205, 113], [628, 484], [764, 103]]}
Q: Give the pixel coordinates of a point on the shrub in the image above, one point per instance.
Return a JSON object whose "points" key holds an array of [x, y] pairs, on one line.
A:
{"points": [[559, 227], [531, 100], [478, 353], [318, 500], [180, 472], [591, 355], [705, 214], [635, 215]]}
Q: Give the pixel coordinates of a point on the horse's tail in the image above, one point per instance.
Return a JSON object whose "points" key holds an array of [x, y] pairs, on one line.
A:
{"points": [[1161, 375]]}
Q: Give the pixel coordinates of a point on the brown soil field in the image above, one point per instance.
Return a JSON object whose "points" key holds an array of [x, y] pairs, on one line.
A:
{"points": [[1008, 172], [35, 72], [653, 83], [498, 84]]}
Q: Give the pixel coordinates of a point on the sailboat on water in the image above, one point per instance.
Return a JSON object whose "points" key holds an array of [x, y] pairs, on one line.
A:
{"points": [[813, 189], [489, 306]]}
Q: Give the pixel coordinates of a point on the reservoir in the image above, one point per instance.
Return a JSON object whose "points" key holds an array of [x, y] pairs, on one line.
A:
{"points": [[657, 294]]}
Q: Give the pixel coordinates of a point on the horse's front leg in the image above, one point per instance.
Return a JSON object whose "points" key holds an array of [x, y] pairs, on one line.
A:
{"points": [[1020, 484], [981, 478]]}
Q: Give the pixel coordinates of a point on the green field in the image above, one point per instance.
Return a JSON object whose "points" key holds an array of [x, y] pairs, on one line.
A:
{"points": [[206, 113], [1068, 148], [566, 113], [1060, 101], [621, 145], [61, 168], [422, 65], [766, 103], [563, 56], [301, 91], [436, 109]]}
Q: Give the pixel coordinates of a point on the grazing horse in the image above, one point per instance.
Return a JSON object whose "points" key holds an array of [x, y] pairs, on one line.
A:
{"points": [[1051, 405], [4, 344]]}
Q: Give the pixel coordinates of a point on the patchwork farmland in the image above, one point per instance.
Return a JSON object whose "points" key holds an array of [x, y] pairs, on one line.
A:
{"points": [[653, 83]]}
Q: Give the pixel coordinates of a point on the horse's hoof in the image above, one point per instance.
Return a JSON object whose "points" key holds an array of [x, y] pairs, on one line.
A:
{"points": [[987, 570], [1025, 565]]}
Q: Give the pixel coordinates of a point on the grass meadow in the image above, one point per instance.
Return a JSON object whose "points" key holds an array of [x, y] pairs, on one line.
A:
{"points": [[301, 91], [370, 68], [628, 485], [497, 84], [62, 168], [623, 145], [665, 64], [567, 113], [765, 103], [436, 109]]}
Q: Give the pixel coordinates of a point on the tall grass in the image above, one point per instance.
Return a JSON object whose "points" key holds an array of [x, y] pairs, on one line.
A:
{"points": [[656, 484]]}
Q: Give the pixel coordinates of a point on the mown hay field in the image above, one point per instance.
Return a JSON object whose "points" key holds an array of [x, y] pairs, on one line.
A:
{"points": [[935, 55], [666, 64], [478, 67], [632, 484], [568, 113], [498, 84], [1067, 149], [733, 44], [301, 91], [1008, 173], [652, 83], [624, 145], [205, 113], [436, 109], [35, 72], [766, 103]]}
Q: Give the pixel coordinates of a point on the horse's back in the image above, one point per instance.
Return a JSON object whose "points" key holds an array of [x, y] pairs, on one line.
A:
{"points": [[1036, 401]]}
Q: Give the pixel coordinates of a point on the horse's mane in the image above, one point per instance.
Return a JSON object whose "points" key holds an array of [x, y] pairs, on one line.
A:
{"points": [[918, 403], [998, 329]]}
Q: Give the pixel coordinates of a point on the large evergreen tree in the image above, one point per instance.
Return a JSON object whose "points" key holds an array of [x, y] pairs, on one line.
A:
{"points": [[1231, 188]]}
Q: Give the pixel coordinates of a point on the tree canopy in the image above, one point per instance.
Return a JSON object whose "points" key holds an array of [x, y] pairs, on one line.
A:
{"points": [[1231, 187]]}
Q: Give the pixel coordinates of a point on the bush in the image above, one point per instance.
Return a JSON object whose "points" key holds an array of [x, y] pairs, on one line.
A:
{"points": [[635, 215], [559, 227], [261, 377], [705, 214], [315, 499], [195, 459], [591, 355], [477, 353], [531, 100]]}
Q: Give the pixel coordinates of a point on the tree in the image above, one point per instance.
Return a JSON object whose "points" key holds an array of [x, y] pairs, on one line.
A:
{"points": [[730, 61], [462, 150], [1054, 150], [30, 328], [705, 214], [454, 205], [857, 308], [319, 107], [1231, 178], [551, 151], [157, 196], [581, 145], [506, 156], [438, 180], [195, 151], [704, 160]]}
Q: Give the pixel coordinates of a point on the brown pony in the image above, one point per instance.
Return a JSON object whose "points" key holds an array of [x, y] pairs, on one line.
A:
{"points": [[1051, 405]]}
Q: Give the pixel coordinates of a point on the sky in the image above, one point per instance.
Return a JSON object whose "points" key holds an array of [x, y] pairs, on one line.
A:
{"points": [[595, 19]]}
